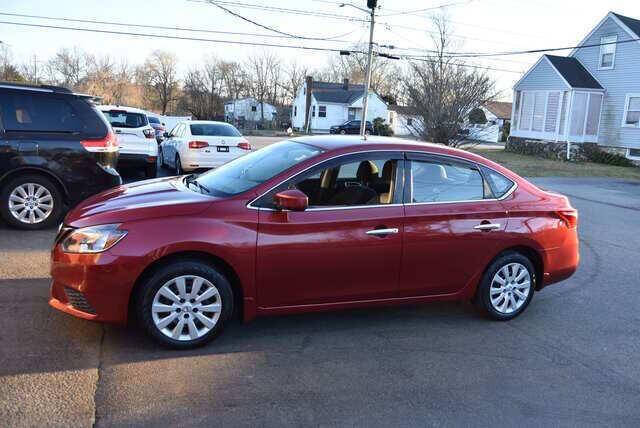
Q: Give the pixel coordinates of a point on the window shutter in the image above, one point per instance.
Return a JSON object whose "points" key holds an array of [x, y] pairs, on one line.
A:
{"points": [[593, 114], [538, 111], [563, 112], [552, 112], [527, 110]]}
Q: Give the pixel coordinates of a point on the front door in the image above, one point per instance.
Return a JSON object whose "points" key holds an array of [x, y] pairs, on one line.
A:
{"points": [[453, 226], [346, 246]]}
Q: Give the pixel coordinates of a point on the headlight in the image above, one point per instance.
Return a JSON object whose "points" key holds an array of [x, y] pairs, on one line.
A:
{"points": [[94, 239]]}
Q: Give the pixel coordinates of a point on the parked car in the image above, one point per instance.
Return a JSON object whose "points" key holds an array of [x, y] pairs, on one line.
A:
{"points": [[197, 144], [351, 127], [55, 150], [312, 224], [158, 128], [136, 137]]}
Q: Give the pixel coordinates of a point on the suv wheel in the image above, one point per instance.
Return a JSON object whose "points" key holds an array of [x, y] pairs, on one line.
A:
{"points": [[31, 202], [507, 286], [178, 165], [185, 304]]}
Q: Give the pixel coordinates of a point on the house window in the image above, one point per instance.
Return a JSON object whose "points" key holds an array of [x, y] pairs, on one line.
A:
{"points": [[516, 110], [633, 153], [631, 116], [254, 108], [322, 111], [313, 111], [409, 121], [607, 51], [538, 111], [295, 111]]}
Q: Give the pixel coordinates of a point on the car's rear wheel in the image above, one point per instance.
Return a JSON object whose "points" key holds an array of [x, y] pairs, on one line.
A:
{"points": [[161, 156], [507, 286], [343, 132], [31, 201], [185, 304], [178, 165], [151, 171]]}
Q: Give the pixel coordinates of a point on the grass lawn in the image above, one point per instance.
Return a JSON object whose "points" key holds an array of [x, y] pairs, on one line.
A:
{"points": [[531, 166]]}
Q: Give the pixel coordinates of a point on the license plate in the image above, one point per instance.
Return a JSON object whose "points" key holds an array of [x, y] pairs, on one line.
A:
{"points": [[223, 148]]}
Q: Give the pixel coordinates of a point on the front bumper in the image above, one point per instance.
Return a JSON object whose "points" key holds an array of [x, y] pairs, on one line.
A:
{"points": [[93, 286]]}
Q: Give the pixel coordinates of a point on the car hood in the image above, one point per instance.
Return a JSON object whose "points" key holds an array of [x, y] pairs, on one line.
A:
{"points": [[159, 197]]}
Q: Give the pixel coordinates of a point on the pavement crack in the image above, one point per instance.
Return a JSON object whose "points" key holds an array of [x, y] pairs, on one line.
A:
{"points": [[99, 376]]}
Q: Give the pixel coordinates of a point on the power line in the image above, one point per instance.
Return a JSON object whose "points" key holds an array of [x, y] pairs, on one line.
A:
{"points": [[414, 12], [213, 3], [156, 27]]}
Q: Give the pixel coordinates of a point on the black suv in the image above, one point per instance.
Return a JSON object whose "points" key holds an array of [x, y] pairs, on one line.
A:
{"points": [[56, 149], [351, 127]]}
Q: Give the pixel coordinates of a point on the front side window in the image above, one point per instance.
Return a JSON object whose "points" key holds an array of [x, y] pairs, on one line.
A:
{"points": [[322, 111], [607, 51], [632, 111], [445, 181], [214, 130], [357, 180], [123, 119], [255, 168]]}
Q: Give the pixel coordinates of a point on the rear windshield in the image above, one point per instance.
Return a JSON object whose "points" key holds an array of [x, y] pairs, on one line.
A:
{"points": [[123, 119], [153, 119], [214, 130], [255, 168]]}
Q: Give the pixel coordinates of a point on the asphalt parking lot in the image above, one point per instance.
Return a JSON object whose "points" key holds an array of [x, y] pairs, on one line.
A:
{"points": [[571, 359]]}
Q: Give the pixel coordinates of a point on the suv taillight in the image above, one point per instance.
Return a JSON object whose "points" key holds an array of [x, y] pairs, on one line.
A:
{"points": [[106, 144], [244, 145], [149, 133], [198, 144]]}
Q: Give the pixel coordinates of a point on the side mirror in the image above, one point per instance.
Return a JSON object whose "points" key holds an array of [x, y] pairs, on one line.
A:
{"points": [[293, 200], [166, 135]]}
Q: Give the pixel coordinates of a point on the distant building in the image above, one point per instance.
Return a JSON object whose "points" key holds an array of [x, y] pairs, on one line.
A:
{"points": [[405, 121], [321, 105], [248, 109], [497, 113]]}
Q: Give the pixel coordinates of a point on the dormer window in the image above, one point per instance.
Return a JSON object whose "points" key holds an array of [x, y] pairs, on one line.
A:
{"points": [[607, 51]]}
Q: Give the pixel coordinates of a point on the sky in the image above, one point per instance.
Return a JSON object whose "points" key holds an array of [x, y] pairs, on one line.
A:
{"points": [[476, 25]]}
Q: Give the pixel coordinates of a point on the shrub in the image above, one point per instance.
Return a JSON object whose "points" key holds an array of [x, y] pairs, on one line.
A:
{"points": [[477, 116], [593, 153], [381, 128], [506, 130]]}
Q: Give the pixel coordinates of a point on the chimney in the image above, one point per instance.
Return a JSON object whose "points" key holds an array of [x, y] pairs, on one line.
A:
{"points": [[307, 108], [345, 84]]}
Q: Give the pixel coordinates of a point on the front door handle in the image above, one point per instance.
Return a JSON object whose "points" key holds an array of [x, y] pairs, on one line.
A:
{"points": [[377, 232], [487, 226]]}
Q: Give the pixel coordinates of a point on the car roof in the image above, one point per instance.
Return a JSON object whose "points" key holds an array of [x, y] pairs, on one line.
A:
{"points": [[123, 108], [60, 90]]}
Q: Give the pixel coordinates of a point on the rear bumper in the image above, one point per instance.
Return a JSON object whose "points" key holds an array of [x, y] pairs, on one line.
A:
{"points": [[128, 159], [561, 262], [193, 162]]}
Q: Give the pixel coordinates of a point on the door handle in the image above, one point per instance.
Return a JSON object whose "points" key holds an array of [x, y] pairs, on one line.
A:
{"points": [[487, 226], [377, 232]]}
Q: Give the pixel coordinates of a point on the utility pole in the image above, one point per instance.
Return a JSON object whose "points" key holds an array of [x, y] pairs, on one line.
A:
{"points": [[371, 4]]}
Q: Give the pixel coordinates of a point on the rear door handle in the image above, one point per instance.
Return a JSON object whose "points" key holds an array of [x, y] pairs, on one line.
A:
{"points": [[376, 232], [487, 226]]}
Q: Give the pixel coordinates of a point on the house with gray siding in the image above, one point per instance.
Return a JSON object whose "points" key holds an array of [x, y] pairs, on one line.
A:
{"points": [[592, 95]]}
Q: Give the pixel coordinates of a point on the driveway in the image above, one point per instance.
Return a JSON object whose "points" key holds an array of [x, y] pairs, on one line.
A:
{"points": [[570, 359]]}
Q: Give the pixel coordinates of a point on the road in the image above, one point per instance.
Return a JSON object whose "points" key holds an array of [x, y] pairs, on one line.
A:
{"points": [[571, 359]]}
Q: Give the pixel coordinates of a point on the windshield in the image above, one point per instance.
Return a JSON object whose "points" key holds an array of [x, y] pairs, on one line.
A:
{"points": [[153, 120], [214, 130], [255, 168], [123, 119]]}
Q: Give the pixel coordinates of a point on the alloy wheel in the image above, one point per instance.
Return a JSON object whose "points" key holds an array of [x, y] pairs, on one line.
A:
{"points": [[186, 307], [30, 203], [510, 288]]}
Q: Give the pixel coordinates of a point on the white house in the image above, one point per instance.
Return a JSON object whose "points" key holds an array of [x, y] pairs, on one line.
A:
{"points": [[404, 121], [592, 95], [321, 105], [248, 109], [497, 114]]}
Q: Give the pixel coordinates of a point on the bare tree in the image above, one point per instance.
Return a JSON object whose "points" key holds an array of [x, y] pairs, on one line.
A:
{"points": [[234, 79], [442, 90], [159, 76], [32, 70], [260, 69], [201, 90], [8, 71], [295, 75], [67, 67]]}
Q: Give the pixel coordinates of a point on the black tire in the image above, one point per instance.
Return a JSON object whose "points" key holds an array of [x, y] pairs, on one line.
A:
{"points": [[343, 132], [146, 293], [161, 156], [483, 296], [56, 196], [178, 165], [151, 171]]}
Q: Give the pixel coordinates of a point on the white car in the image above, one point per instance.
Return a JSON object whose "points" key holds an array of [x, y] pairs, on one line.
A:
{"points": [[136, 137], [196, 144]]}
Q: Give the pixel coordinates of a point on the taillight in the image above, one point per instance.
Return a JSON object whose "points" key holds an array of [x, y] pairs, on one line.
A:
{"points": [[568, 217], [149, 133], [106, 144], [198, 144], [244, 145]]}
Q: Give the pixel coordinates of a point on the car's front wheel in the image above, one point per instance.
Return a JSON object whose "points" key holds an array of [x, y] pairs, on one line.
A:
{"points": [[185, 304], [31, 201], [178, 166], [343, 132], [507, 286]]}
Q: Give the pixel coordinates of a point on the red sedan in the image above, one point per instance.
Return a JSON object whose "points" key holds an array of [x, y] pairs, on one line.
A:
{"points": [[312, 224]]}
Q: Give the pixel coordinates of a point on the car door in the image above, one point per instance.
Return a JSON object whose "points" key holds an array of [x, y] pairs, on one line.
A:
{"points": [[174, 144], [453, 225], [354, 127], [340, 249]]}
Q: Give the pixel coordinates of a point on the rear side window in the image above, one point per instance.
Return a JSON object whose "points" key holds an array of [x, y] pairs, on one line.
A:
{"points": [[214, 130], [124, 119], [26, 112], [442, 181], [498, 182]]}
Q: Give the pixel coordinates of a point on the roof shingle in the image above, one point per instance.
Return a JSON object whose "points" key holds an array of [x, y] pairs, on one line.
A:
{"points": [[574, 72], [633, 24]]}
